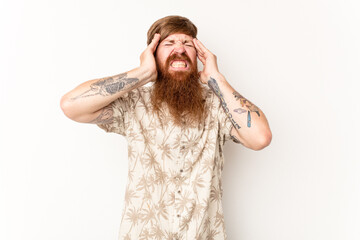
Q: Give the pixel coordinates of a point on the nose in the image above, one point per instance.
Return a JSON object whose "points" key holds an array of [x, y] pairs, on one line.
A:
{"points": [[179, 47]]}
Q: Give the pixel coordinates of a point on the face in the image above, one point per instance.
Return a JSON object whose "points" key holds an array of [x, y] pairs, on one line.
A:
{"points": [[177, 53], [178, 82]]}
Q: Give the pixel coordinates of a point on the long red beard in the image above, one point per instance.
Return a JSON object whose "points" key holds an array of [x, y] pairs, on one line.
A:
{"points": [[181, 91]]}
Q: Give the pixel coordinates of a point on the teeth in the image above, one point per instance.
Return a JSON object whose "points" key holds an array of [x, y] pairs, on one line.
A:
{"points": [[178, 64]]}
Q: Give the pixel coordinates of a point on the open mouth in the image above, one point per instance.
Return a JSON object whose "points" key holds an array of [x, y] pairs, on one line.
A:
{"points": [[179, 64]]}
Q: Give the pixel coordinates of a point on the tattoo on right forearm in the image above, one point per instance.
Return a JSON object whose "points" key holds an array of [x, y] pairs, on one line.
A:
{"points": [[108, 86], [106, 116]]}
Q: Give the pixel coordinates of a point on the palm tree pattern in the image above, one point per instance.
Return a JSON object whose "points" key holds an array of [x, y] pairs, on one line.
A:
{"points": [[174, 189]]}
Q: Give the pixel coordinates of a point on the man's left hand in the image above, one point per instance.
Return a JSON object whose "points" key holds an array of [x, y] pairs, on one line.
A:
{"points": [[208, 59]]}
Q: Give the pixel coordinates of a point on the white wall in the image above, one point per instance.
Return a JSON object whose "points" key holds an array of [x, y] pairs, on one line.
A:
{"points": [[297, 60]]}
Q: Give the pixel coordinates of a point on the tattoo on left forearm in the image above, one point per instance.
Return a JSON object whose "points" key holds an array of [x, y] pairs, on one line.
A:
{"points": [[246, 103], [235, 139], [240, 110], [249, 105], [249, 119], [215, 87]]}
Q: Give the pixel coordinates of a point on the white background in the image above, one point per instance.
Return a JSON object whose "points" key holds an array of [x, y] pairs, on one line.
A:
{"points": [[296, 60]]}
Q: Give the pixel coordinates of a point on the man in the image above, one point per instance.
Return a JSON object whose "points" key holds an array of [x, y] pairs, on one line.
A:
{"points": [[176, 129]]}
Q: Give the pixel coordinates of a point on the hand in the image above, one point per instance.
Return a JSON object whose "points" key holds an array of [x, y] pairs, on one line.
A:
{"points": [[147, 59], [208, 59]]}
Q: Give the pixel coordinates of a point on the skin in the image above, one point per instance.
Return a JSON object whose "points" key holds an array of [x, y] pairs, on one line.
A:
{"points": [[178, 84], [89, 102], [251, 129], [176, 44]]}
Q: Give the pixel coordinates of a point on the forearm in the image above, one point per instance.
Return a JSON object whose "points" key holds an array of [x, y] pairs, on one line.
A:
{"points": [[248, 120], [94, 95]]}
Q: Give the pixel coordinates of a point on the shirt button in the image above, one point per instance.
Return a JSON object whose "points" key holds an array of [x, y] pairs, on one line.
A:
{"points": [[182, 147], [178, 215], [181, 170], [179, 191]]}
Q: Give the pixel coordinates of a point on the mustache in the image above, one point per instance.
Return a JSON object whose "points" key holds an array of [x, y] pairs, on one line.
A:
{"points": [[181, 56]]}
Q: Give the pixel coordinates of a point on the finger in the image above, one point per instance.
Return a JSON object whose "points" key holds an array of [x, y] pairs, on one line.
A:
{"points": [[154, 42], [201, 55], [201, 58], [201, 46], [198, 49]]}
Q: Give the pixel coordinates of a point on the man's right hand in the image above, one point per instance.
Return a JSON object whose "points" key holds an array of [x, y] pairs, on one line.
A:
{"points": [[89, 101], [147, 58]]}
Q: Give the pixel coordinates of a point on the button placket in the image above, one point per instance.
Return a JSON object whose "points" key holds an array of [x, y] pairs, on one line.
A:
{"points": [[181, 170], [178, 194]]}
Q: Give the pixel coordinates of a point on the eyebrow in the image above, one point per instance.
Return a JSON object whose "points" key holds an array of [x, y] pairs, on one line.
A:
{"points": [[173, 41]]}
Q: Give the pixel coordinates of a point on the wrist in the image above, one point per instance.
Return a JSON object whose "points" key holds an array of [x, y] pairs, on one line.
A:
{"points": [[146, 75], [217, 76]]}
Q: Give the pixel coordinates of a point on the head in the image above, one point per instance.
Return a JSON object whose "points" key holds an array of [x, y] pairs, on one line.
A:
{"points": [[178, 83]]}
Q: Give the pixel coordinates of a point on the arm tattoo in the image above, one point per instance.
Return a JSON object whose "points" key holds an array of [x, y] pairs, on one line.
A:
{"points": [[215, 87], [108, 86], [249, 105], [240, 110], [106, 116], [249, 119], [235, 139], [246, 103]]}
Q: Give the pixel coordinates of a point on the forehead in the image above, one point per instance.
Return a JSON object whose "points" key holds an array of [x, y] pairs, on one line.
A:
{"points": [[178, 37]]}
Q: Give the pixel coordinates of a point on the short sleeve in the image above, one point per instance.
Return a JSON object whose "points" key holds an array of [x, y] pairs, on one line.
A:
{"points": [[120, 109], [225, 125]]}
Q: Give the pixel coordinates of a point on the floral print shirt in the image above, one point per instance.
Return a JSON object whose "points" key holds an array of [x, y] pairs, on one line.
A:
{"points": [[174, 189]]}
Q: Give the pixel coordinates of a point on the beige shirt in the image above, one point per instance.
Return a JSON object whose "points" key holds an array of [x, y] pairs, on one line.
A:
{"points": [[174, 188]]}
